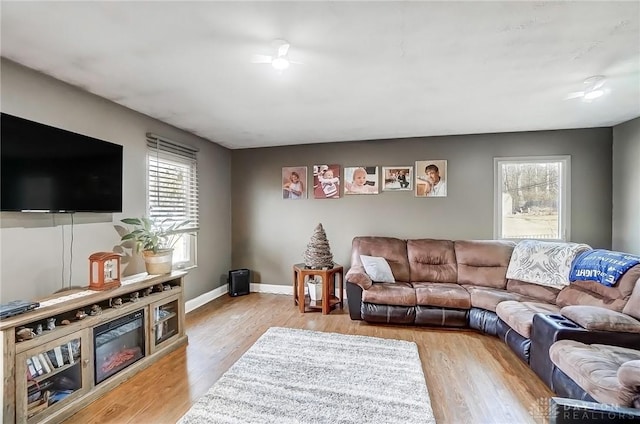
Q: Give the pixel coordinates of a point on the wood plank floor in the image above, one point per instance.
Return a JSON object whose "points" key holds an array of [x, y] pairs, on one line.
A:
{"points": [[471, 377]]}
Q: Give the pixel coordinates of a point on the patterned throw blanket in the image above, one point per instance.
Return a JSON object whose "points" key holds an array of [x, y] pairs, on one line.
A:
{"points": [[602, 266], [543, 262]]}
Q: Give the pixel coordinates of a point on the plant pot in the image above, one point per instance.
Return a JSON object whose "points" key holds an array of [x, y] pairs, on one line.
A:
{"points": [[315, 290], [158, 263]]}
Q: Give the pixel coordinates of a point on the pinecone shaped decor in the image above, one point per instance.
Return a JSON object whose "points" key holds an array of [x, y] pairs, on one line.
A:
{"points": [[318, 254]]}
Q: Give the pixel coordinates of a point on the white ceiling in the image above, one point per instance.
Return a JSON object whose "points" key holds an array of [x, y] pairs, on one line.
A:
{"points": [[371, 70]]}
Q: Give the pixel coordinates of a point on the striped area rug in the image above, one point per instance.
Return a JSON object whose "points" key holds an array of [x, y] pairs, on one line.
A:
{"points": [[301, 376]]}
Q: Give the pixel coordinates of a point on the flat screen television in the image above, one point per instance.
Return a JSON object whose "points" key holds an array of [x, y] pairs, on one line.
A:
{"points": [[47, 169]]}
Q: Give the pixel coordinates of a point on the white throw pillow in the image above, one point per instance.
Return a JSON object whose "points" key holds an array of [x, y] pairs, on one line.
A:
{"points": [[378, 269]]}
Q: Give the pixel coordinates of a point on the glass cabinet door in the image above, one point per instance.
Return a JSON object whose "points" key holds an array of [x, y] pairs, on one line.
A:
{"points": [[165, 322], [50, 376]]}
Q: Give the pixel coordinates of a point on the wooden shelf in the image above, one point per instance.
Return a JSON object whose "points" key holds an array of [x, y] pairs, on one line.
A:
{"points": [[165, 318], [63, 306], [53, 372], [318, 304]]}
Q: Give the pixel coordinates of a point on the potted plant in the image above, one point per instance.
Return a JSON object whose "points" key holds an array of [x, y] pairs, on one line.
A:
{"points": [[156, 241]]}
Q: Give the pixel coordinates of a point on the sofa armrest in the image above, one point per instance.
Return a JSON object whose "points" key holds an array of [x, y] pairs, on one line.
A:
{"points": [[548, 329], [573, 411], [601, 319], [629, 375], [354, 301], [358, 276]]}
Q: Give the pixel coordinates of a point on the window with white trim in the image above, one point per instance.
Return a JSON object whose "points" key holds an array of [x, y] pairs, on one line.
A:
{"points": [[532, 197], [172, 194]]}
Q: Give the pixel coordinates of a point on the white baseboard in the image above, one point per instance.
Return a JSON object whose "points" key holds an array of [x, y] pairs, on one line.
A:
{"points": [[207, 297], [277, 289], [271, 288]]}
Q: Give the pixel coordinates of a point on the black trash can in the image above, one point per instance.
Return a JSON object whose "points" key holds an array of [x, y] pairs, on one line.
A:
{"points": [[239, 282]]}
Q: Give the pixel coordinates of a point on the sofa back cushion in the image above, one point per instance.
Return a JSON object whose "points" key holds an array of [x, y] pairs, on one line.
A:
{"points": [[432, 261], [584, 292], [392, 249], [483, 262], [537, 291]]}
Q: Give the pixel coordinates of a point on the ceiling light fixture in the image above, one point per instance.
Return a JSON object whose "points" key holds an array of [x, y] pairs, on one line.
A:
{"points": [[280, 63], [593, 89], [591, 95]]}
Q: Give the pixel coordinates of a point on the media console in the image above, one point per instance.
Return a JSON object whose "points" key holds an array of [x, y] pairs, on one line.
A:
{"points": [[79, 344]]}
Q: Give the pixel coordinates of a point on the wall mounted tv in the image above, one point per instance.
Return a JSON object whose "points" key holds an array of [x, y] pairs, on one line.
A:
{"points": [[47, 169]]}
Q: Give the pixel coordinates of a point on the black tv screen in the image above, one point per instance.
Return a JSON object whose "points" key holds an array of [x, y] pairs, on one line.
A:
{"points": [[50, 169]]}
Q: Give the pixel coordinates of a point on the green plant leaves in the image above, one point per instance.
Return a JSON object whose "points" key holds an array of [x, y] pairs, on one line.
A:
{"points": [[150, 235]]}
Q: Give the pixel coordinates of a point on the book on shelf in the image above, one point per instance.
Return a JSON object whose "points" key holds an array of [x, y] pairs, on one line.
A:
{"points": [[37, 365], [58, 352], [51, 355], [47, 359], [70, 353], [31, 368], [38, 388], [44, 363]]}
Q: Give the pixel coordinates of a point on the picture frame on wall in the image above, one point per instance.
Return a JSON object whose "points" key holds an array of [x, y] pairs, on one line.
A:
{"points": [[397, 178], [431, 178], [294, 182], [361, 180], [326, 181]]}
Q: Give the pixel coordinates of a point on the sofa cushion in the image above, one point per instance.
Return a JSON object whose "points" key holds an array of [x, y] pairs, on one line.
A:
{"points": [[632, 307], [629, 374], [519, 315], [536, 291], [488, 297], [600, 319], [594, 368], [483, 262], [432, 261], [392, 249], [574, 294], [377, 269], [446, 295], [621, 290], [400, 294], [543, 262]]}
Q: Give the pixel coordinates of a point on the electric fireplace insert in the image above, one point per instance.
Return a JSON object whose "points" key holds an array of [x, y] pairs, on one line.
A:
{"points": [[118, 344]]}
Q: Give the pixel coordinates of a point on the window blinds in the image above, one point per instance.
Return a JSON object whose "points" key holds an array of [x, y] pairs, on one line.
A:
{"points": [[172, 187]]}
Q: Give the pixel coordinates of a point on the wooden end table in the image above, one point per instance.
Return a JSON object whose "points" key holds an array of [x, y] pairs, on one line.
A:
{"points": [[329, 299]]}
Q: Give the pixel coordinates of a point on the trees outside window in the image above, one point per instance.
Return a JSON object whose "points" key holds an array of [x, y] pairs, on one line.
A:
{"points": [[532, 198]]}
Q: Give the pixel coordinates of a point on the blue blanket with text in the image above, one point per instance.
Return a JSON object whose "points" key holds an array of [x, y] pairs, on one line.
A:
{"points": [[603, 266]]}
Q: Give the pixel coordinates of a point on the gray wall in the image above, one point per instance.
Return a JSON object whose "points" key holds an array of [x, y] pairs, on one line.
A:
{"points": [[270, 234], [626, 187], [32, 246]]}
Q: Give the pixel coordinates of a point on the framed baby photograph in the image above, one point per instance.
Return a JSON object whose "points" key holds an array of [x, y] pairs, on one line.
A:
{"points": [[361, 180], [397, 178], [431, 178], [326, 181], [294, 182]]}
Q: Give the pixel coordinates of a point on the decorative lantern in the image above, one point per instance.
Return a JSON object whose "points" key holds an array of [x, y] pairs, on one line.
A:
{"points": [[104, 271]]}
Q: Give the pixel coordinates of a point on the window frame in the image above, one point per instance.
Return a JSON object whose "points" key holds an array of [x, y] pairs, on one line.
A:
{"points": [[162, 149], [564, 204]]}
